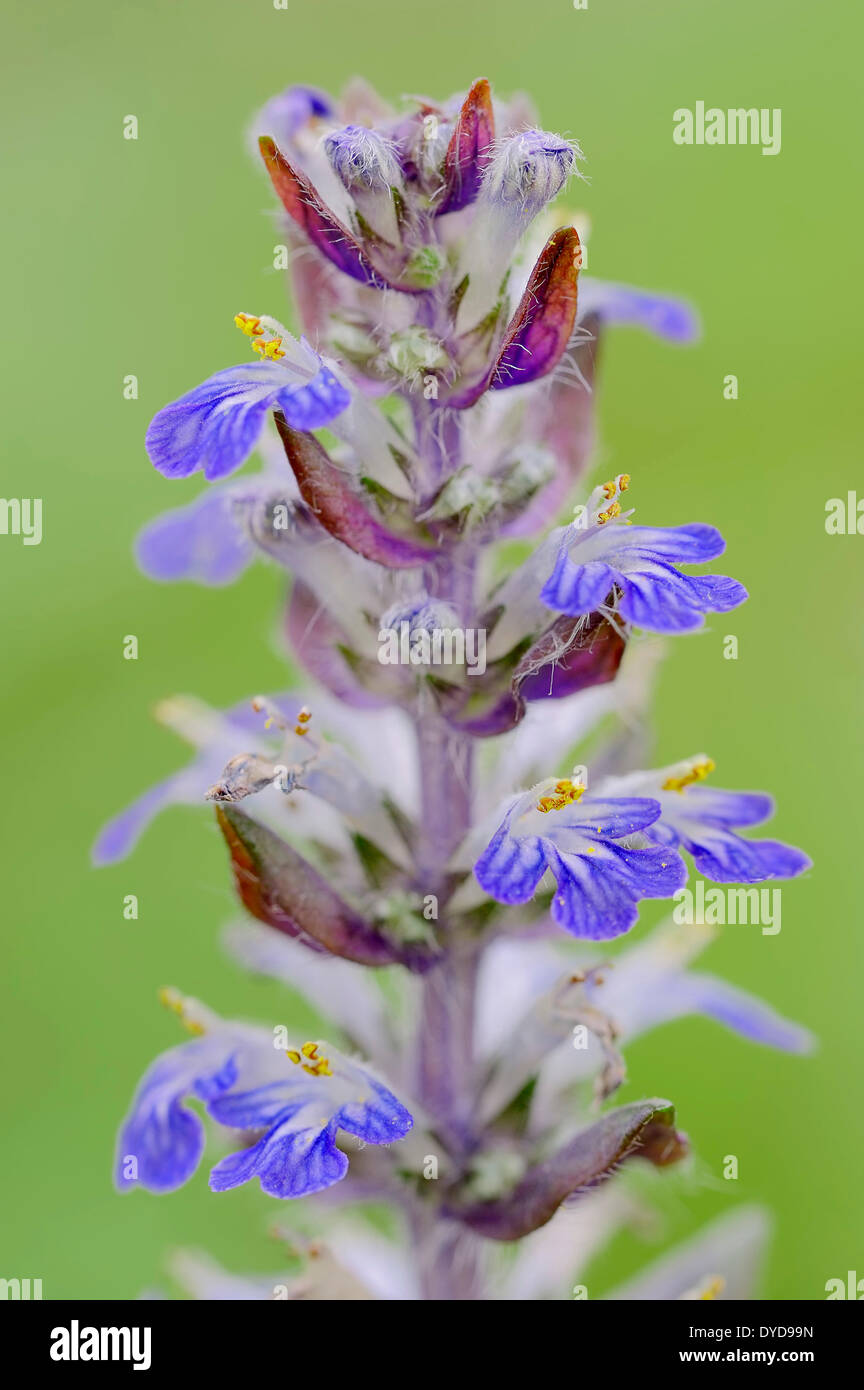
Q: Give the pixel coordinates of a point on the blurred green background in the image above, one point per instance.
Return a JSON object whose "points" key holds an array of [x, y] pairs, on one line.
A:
{"points": [[131, 257]]}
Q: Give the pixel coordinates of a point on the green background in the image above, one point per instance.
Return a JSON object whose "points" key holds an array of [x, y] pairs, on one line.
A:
{"points": [[131, 257]]}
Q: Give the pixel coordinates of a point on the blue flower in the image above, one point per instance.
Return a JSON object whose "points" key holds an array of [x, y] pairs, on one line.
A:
{"points": [[302, 1115], [302, 1097], [703, 820], [600, 881], [605, 554], [216, 426]]}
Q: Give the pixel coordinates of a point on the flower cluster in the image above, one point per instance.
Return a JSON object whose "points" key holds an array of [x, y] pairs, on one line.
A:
{"points": [[438, 403]]}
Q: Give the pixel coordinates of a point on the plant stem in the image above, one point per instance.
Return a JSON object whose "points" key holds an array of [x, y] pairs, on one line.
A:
{"points": [[447, 1255]]}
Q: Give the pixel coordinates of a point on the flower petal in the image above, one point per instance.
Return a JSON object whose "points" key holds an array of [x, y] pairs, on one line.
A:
{"points": [[287, 1162], [727, 858], [510, 869], [669, 318], [201, 542], [160, 1134], [598, 895], [576, 589]]}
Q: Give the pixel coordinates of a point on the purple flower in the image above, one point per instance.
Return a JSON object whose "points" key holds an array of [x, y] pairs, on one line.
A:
{"points": [[703, 820], [640, 562], [216, 426], [600, 880], [302, 1097]]}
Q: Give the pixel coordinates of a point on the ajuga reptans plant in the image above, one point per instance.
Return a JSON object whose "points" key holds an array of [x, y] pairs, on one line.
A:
{"points": [[440, 826]]}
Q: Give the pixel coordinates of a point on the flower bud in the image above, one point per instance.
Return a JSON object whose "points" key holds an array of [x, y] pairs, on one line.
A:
{"points": [[526, 173], [365, 163], [529, 170]]}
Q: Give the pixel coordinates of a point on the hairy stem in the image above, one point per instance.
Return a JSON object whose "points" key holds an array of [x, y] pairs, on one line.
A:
{"points": [[448, 1256]]}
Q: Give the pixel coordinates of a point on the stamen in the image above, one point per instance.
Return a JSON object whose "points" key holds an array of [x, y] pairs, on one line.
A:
{"points": [[315, 1065], [272, 349], [249, 324], [564, 793], [172, 999], [262, 705], [302, 725], [614, 510], [697, 772]]}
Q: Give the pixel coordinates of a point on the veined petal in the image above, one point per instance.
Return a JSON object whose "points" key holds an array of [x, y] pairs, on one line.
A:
{"points": [[510, 869], [598, 895], [690, 544], [662, 599], [216, 426], [727, 858], [577, 589], [287, 1162], [161, 1135], [303, 1114]]}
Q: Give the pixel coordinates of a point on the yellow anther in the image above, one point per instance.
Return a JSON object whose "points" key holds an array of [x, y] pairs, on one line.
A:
{"points": [[697, 773], [623, 481], [320, 1068], [293, 1056], [614, 510], [172, 999], [303, 718], [309, 1050], [248, 324], [272, 349], [609, 490], [565, 792]]}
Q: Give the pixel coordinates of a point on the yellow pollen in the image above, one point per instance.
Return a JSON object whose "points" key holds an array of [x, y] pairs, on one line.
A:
{"points": [[623, 482], [272, 349], [172, 999], [314, 1065], [248, 324], [565, 792], [614, 510], [609, 490], [697, 773]]}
